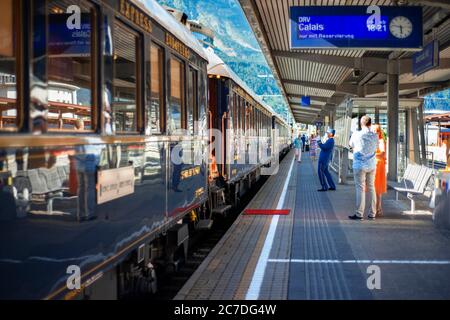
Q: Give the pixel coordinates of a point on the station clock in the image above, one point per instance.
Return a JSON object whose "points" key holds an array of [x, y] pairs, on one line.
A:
{"points": [[401, 27]]}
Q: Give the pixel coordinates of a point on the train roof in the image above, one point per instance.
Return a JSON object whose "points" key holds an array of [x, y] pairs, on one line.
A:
{"points": [[166, 20], [281, 120], [218, 67]]}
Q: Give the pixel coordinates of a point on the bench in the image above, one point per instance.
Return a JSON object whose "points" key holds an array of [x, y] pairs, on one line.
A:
{"points": [[48, 185], [414, 182]]}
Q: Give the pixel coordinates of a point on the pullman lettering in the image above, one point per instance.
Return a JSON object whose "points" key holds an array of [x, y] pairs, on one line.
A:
{"points": [[135, 15], [177, 46]]}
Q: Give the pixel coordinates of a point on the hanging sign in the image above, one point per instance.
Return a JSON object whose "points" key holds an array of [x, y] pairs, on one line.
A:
{"points": [[306, 101], [366, 27], [426, 59]]}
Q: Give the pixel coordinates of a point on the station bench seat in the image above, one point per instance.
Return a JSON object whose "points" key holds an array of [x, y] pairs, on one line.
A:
{"points": [[414, 183]]}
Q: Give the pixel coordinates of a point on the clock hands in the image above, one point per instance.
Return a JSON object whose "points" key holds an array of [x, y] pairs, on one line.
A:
{"points": [[400, 27]]}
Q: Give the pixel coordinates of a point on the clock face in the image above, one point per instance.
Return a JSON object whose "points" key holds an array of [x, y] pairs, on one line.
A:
{"points": [[401, 27]]}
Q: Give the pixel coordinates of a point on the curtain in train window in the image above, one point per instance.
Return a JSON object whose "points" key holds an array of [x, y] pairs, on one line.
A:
{"points": [[8, 90], [125, 79], [192, 104], [175, 117], [153, 114], [70, 65]]}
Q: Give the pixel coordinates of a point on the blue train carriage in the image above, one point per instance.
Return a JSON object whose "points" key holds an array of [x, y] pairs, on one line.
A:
{"points": [[281, 133], [247, 128], [92, 102]]}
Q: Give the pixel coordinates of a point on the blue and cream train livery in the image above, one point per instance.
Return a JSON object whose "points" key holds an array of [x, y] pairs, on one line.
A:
{"points": [[96, 98]]}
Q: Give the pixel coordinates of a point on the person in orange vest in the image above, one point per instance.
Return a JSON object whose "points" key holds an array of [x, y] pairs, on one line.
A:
{"points": [[214, 171]]}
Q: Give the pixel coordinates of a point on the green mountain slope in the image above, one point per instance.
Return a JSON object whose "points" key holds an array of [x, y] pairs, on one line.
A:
{"points": [[234, 43]]}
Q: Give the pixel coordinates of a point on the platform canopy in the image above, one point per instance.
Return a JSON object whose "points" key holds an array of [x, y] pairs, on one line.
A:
{"points": [[328, 76]]}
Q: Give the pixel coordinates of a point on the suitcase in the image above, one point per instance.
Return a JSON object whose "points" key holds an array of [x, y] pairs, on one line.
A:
{"points": [[307, 147]]}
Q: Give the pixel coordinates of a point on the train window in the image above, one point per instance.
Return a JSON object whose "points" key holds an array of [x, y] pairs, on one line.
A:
{"points": [[242, 114], [256, 120], [245, 115], [235, 116], [154, 115], [125, 78], [248, 116], [259, 122], [261, 126], [70, 69], [192, 112], [175, 110], [8, 93], [252, 117], [239, 113]]}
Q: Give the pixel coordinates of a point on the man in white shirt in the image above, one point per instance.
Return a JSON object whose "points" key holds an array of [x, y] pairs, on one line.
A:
{"points": [[364, 144]]}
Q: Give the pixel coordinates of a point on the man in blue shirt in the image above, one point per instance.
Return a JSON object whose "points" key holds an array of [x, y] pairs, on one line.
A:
{"points": [[303, 142], [326, 154], [297, 148]]}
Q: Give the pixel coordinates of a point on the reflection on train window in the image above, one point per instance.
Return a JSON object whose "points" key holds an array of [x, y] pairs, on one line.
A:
{"points": [[8, 93], [253, 118], [192, 114], [70, 71], [248, 113], [125, 79], [238, 113], [235, 118], [153, 115], [242, 114], [175, 118]]}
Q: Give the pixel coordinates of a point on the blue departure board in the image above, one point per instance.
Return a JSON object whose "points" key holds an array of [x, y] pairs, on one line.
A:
{"points": [[370, 27]]}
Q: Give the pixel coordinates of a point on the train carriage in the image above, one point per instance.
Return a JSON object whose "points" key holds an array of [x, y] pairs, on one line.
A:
{"points": [[253, 136], [95, 97]]}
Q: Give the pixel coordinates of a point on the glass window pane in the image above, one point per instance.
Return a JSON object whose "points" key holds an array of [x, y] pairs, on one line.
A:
{"points": [[8, 91], [235, 116], [192, 105], [176, 95], [238, 112], [243, 115], [153, 114], [70, 72], [125, 79]]}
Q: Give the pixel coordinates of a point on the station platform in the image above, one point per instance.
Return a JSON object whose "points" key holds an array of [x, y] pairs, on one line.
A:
{"points": [[317, 253]]}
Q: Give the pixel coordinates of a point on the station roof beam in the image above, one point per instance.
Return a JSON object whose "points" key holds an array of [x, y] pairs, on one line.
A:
{"points": [[367, 89], [326, 100], [443, 4], [327, 75], [368, 64]]}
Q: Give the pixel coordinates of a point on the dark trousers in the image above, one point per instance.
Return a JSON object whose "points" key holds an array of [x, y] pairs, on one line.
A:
{"points": [[325, 176]]}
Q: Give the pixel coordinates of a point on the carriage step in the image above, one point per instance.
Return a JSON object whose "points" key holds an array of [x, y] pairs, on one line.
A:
{"points": [[217, 190], [204, 224], [222, 209]]}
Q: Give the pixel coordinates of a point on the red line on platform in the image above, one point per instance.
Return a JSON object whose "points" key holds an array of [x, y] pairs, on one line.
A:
{"points": [[266, 212]]}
